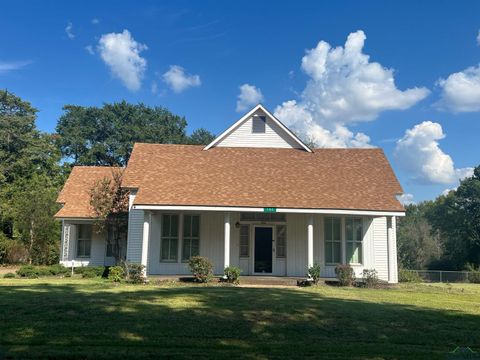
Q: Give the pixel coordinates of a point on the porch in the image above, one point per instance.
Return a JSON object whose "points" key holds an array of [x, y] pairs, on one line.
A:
{"points": [[263, 244]]}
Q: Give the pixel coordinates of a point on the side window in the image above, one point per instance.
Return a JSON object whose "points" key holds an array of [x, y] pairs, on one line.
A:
{"points": [[244, 240], [191, 236], [169, 246], [281, 241], [333, 243], [84, 240], [354, 237]]}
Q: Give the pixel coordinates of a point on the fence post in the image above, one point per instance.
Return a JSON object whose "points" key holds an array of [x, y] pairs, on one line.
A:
{"points": [[441, 276]]}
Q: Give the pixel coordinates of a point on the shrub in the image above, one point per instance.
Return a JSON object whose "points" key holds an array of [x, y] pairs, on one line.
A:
{"points": [[136, 273], [201, 268], [115, 273], [314, 272], [93, 271], [11, 251], [408, 276], [370, 278], [474, 277], [345, 275], [58, 269], [232, 274], [28, 271], [9, 276]]}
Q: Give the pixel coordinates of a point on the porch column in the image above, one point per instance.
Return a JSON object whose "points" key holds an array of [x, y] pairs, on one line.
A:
{"points": [[146, 238], [226, 241], [310, 240], [392, 250]]}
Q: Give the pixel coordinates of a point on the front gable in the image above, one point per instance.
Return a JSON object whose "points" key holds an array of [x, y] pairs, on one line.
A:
{"points": [[258, 128]]}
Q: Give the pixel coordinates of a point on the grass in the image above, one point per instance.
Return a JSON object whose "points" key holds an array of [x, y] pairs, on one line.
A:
{"points": [[92, 319]]}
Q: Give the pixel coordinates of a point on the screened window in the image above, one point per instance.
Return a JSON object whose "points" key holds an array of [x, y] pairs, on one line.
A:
{"points": [[258, 124], [354, 236], [191, 236], [333, 242], [281, 241], [244, 240], [84, 240], [169, 248]]}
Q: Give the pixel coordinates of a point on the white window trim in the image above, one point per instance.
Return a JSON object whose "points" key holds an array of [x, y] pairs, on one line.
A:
{"points": [[340, 241], [162, 238], [276, 242], [248, 225], [190, 237], [355, 241], [77, 256]]}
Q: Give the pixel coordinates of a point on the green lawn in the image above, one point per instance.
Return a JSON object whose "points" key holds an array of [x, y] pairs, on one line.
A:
{"points": [[76, 318]]}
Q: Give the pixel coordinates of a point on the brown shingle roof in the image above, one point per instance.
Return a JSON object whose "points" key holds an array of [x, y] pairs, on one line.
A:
{"points": [[75, 194], [356, 179]]}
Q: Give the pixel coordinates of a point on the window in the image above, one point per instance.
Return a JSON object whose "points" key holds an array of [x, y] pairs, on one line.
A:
{"points": [[354, 236], [333, 242], [258, 124], [169, 248], [116, 241], [244, 240], [84, 240], [281, 241], [191, 236]]}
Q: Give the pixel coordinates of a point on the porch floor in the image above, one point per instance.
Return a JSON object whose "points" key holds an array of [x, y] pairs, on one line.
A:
{"points": [[244, 280]]}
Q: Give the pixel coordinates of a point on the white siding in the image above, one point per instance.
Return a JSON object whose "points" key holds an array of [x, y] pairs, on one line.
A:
{"points": [[274, 136], [380, 247], [97, 251]]}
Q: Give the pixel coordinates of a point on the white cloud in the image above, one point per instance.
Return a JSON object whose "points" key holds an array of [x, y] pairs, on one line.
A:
{"points": [[179, 80], [419, 153], [122, 55], [154, 87], [89, 49], [344, 87], [7, 66], [69, 30], [461, 91], [95, 21], [478, 38], [406, 199], [249, 96]]}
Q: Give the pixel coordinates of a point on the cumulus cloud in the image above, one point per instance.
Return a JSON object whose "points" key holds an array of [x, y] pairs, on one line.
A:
{"points": [[69, 31], [406, 199], [344, 87], [154, 87], [461, 91], [249, 96], [7, 66], [179, 80], [121, 53], [419, 153]]}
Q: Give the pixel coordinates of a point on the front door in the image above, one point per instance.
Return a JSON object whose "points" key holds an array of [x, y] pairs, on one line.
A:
{"points": [[263, 250]]}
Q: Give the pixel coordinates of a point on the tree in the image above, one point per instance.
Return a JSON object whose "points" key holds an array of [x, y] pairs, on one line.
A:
{"points": [[105, 135], [200, 137], [33, 206], [418, 244], [110, 205]]}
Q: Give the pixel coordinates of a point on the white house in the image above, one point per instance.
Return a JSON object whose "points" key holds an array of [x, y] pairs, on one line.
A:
{"points": [[256, 197]]}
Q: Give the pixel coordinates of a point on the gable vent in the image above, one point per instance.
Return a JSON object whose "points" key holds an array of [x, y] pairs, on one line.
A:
{"points": [[258, 124]]}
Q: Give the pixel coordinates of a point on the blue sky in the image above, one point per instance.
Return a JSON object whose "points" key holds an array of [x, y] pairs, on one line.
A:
{"points": [[196, 58]]}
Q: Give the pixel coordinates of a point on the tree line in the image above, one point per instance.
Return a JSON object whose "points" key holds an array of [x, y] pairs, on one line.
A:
{"points": [[34, 164], [443, 234]]}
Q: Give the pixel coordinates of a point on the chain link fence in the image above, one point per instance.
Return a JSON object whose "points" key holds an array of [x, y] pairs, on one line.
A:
{"points": [[443, 276]]}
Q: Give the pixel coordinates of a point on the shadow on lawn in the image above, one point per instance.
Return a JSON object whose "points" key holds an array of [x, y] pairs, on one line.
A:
{"points": [[63, 321]]}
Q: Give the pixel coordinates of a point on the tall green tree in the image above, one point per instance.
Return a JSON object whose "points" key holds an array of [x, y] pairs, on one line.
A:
{"points": [[30, 176], [105, 135]]}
